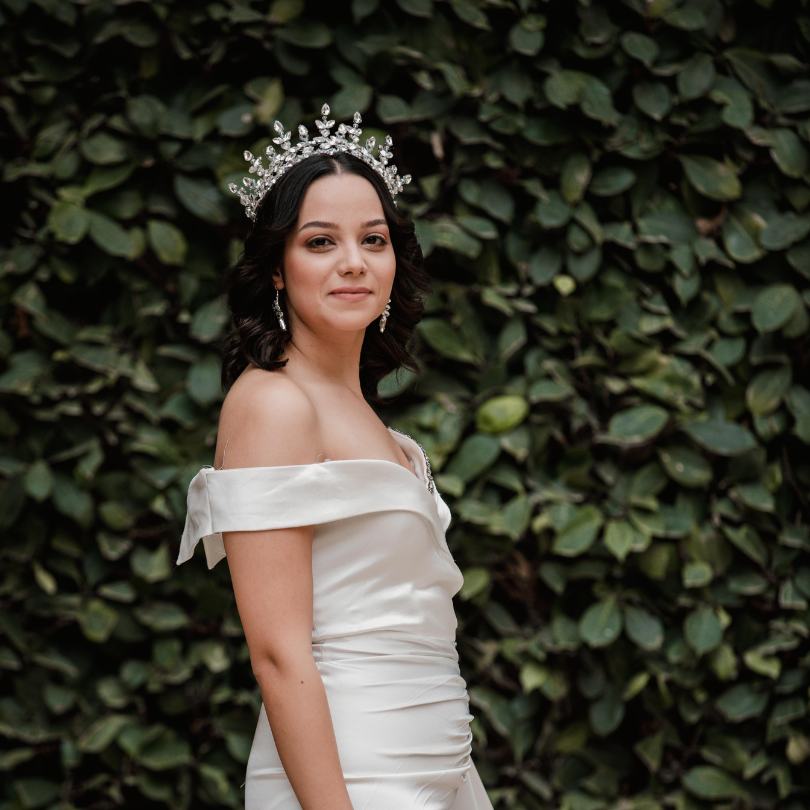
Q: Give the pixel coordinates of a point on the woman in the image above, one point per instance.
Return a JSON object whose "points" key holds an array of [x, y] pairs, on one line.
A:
{"points": [[332, 526]]}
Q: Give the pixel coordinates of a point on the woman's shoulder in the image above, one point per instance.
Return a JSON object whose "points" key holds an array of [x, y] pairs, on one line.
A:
{"points": [[259, 389], [266, 418]]}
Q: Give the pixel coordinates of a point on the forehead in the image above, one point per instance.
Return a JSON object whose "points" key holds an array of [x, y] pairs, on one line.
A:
{"points": [[340, 197]]}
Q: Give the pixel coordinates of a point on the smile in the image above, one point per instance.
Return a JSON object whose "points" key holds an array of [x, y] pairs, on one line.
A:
{"points": [[350, 296]]}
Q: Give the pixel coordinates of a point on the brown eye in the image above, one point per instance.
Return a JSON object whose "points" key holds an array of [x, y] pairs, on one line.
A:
{"points": [[311, 242]]}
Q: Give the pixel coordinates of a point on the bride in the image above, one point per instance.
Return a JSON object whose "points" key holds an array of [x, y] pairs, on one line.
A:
{"points": [[332, 526]]}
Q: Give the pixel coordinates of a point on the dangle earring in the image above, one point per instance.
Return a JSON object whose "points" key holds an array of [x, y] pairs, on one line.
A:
{"points": [[386, 312], [279, 313]]}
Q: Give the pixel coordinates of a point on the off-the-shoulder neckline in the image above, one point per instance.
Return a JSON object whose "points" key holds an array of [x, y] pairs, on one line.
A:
{"points": [[420, 478]]}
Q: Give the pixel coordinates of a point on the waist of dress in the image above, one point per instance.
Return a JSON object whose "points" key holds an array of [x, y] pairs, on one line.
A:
{"points": [[382, 641]]}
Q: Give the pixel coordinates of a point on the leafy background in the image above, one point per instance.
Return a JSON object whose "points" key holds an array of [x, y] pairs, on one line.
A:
{"points": [[613, 200]]}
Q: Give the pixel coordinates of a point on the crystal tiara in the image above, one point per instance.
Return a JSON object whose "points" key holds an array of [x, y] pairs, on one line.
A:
{"points": [[254, 189]]}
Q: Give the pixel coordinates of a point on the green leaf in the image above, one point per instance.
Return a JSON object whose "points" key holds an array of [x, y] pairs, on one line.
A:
{"points": [[685, 466], [739, 242], [201, 198], [721, 437], [711, 178], [640, 47], [110, 237], [709, 782], [607, 713], [601, 624], [742, 702], [449, 235], [612, 180], [697, 77], [33, 793], [72, 501], [621, 537], [101, 733], [579, 533], [167, 241], [574, 177], [104, 149], [637, 425], [209, 320], [550, 391], [476, 580], [755, 496], [204, 384], [789, 152], [38, 480], [469, 12], [305, 33], [161, 616], [97, 620], [746, 539], [774, 306], [446, 340], [564, 87], [552, 211], [417, 8], [783, 230], [151, 566], [393, 109], [643, 628], [696, 574], [766, 390], [167, 752], [68, 222], [476, 454], [527, 36], [703, 630], [597, 101], [653, 98], [502, 413], [738, 108]]}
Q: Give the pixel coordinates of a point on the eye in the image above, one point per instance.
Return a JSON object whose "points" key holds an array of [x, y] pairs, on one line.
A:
{"points": [[312, 242]]}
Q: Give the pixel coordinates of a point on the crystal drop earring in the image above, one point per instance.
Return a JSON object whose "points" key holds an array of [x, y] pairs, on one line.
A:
{"points": [[385, 313], [279, 313]]}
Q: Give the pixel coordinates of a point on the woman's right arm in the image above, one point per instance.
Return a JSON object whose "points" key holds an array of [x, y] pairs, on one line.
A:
{"points": [[268, 421]]}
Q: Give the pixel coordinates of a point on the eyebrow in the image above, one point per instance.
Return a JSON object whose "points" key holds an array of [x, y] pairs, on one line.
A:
{"points": [[318, 224]]}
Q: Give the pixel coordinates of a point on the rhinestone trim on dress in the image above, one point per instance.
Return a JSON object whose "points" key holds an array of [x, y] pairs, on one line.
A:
{"points": [[430, 485]]}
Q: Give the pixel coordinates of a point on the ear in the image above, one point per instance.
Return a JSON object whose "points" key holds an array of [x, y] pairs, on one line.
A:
{"points": [[278, 279]]}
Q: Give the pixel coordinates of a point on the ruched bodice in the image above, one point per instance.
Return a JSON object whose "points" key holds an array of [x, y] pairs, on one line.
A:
{"points": [[384, 625]]}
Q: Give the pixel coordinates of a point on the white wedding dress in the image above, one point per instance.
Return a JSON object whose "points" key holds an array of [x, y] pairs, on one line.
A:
{"points": [[384, 624]]}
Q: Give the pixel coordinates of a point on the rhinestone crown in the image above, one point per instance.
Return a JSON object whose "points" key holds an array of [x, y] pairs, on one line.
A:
{"points": [[253, 189]]}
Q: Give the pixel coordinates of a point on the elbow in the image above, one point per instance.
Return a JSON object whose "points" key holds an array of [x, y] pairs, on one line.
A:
{"points": [[270, 665]]}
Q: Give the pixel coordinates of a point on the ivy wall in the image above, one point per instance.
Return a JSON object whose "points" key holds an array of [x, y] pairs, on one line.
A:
{"points": [[614, 204]]}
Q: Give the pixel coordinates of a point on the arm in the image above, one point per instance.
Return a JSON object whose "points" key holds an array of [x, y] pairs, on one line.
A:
{"points": [[267, 422]]}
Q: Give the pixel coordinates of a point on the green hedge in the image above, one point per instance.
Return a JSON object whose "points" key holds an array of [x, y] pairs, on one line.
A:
{"points": [[613, 200]]}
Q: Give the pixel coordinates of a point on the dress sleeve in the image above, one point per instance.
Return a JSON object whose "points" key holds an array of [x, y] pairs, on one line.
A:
{"points": [[258, 498]]}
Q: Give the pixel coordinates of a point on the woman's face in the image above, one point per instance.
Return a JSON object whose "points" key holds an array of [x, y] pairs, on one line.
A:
{"points": [[341, 239]]}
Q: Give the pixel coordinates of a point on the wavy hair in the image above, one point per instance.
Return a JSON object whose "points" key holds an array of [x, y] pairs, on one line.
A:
{"points": [[255, 336]]}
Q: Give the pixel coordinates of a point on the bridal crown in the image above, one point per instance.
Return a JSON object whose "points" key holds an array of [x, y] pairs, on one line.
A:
{"points": [[254, 188]]}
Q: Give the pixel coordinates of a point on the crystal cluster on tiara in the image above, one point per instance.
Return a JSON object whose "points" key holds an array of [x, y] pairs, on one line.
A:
{"points": [[253, 189]]}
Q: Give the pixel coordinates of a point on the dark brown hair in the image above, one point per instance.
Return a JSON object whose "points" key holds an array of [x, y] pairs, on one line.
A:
{"points": [[255, 334]]}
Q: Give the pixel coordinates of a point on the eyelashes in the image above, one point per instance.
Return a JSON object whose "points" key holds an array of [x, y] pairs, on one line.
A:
{"points": [[311, 243]]}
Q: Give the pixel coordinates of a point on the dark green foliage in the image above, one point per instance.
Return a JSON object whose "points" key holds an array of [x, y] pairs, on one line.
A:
{"points": [[613, 198]]}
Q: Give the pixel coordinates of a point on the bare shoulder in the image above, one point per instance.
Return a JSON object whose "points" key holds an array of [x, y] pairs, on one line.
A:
{"points": [[266, 420]]}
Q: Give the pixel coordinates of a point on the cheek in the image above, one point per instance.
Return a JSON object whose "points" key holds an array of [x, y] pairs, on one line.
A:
{"points": [[387, 262]]}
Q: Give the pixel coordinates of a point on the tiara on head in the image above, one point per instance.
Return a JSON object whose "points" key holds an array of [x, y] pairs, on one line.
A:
{"points": [[254, 189]]}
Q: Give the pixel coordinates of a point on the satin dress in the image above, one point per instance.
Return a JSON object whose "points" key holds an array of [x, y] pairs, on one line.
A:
{"points": [[384, 626]]}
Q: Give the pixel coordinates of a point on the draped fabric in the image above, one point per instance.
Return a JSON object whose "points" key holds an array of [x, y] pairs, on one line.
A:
{"points": [[384, 625]]}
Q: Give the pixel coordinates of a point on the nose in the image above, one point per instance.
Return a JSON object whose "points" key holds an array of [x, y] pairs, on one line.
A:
{"points": [[352, 259]]}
